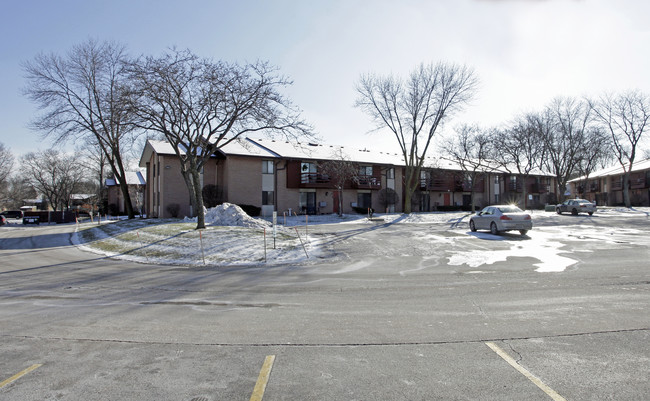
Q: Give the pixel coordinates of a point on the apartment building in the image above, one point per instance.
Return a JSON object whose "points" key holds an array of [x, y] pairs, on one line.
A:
{"points": [[291, 178], [605, 187]]}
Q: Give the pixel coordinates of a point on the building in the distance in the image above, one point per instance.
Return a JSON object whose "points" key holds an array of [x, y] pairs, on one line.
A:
{"points": [[605, 187]]}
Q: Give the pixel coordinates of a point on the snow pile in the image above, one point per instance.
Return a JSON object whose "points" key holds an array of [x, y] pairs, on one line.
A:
{"points": [[228, 214]]}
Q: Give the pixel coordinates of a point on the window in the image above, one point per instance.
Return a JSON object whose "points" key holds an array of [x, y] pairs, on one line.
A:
{"points": [[267, 198], [307, 172], [154, 170], [365, 171], [267, 167], [390, 173]]}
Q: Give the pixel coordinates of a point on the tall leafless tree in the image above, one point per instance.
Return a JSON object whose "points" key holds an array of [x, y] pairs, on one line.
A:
{"points": [[200, 105], [341, 170], [82, 96], [18, 190], [414, 109], [471, 148], [625, 117], [563, 127], [596, 153], [520, 148], [6, 166], [53, 174]]}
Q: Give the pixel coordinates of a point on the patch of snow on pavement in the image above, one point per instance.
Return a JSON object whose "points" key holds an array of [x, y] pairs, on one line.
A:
{"points": [[540, 246]]}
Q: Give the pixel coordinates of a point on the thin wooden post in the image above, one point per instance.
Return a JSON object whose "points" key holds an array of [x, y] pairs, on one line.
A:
{"points": [[301, 243], [201, 239]]}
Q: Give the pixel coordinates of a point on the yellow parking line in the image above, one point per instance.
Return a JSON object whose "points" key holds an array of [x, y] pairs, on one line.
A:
{"points": [[260, 386], [551, 393], [20, 374]]}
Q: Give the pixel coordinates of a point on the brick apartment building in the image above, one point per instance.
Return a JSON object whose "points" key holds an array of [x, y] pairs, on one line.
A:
{"points": [[286, 177], [605, 187]]}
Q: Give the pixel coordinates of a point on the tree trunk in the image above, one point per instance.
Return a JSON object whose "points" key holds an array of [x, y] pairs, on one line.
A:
{"points": [[626, 189], [524, 190], [120, 174], [412, 178], [197, 199]]}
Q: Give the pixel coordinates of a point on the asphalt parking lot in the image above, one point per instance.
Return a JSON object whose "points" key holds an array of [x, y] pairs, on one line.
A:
{"points": [[399, 312]]}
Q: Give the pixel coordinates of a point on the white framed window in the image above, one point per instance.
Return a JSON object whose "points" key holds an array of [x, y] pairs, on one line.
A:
{"points": [[267, 167]]}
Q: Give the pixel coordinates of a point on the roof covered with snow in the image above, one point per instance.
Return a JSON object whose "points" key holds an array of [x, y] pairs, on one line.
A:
{"points": [[276, 149], [616, 170], [132, 178]]}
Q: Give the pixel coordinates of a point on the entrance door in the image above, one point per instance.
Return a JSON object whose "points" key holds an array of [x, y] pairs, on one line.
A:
{"points": [[308, 202], [447, 198]]}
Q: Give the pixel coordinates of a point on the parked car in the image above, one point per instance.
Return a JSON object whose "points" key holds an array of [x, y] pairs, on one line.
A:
{"points": [[3, 220], [575, 206], [12, 214], [501, 218]]}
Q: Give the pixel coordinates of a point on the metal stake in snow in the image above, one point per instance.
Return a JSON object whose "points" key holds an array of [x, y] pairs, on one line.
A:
{"points": [[275, 230], [143, 246], [265, 244], [201, 239], [301, 243]]}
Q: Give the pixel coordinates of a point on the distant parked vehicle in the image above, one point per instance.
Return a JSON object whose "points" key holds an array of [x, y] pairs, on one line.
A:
{"points": [[575, 206], [500, 218], [32, 220], [12, 214]]}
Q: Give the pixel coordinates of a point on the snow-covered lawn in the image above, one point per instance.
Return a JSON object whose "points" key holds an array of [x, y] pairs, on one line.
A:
{"points": [[234, 238]]}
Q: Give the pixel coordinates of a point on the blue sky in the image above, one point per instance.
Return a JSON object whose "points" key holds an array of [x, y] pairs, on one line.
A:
{"points": [[525, 52]]}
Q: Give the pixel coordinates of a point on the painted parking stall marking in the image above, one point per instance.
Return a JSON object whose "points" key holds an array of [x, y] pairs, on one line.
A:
{"points": [[263, 378], [551, 393], [20, 374]]}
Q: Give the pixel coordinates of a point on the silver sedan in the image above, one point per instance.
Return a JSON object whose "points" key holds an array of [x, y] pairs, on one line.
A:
{"points": [[500, 218]]}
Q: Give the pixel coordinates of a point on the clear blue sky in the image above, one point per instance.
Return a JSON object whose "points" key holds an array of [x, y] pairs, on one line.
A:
{"points": [[525, 52]]}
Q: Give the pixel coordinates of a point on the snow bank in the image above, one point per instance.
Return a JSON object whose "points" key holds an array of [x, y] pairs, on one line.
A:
{"points": [[228, 214]]}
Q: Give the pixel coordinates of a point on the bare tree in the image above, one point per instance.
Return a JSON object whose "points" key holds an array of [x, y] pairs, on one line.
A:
{"points": [[18, 190], [471, 148], [596, 153], [520, 148], [414, 109], [53, 174], [6, 166], [341, 170], [625, 117], [82, 96], [563, 127], [200, 105]]}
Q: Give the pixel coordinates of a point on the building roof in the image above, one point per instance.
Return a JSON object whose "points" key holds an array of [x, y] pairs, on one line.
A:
{"points": [[132, 178], [275, 149], [615, 170]]}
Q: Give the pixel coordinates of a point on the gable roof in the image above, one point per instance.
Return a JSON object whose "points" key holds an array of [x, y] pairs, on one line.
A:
{"points": [[132, 178], [275, 149], [615, 170]]}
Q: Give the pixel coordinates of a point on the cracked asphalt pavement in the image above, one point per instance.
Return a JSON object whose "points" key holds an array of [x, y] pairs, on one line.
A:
{"points": [[385, 316]]}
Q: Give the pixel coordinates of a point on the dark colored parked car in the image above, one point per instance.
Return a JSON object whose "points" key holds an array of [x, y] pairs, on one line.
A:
{"points": [[12, 214]]}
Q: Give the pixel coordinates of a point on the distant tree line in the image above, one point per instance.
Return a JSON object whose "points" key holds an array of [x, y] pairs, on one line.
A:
{"points": [[570, 137]]}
